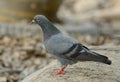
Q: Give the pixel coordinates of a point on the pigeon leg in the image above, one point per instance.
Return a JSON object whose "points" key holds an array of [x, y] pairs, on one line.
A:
{"points": [[60, 71]]}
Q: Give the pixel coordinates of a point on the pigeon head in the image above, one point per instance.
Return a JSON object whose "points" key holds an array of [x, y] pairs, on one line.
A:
{"points": [[47, 27], [39, 19]]}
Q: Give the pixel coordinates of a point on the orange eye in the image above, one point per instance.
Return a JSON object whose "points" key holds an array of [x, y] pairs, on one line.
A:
{"points": [[38, 20]]}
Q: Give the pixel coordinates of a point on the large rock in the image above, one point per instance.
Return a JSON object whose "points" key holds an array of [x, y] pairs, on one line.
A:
{"points": [[82, 71]]}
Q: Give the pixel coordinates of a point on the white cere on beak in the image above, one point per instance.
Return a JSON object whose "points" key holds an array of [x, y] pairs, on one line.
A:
{"points": [[33, 21]]}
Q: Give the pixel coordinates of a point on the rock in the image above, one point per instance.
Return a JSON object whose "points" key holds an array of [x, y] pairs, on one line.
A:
{"points": [[98, 40], [37, 61], [26, 72], [28, 48], [40, 49], [6, 40], [23, 55], [81, 71], [3, 79], [14, 77], [1, 50]]}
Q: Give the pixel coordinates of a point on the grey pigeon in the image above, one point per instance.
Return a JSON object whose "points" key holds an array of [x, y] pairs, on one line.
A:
{"points": [[63, 47]]}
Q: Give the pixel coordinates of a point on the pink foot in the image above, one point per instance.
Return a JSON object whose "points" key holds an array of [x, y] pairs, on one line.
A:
{"points": [[60, 71]]}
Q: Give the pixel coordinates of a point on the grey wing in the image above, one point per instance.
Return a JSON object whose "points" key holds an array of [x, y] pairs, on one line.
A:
{"points": [[66, 47], [59, 44], [82, 53], [76, 51]]}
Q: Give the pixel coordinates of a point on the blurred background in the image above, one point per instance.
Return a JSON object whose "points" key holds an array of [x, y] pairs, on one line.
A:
{"points": [[92, 22]]}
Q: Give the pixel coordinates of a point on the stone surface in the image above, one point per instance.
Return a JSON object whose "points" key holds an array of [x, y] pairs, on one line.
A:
{"points": [[82, 71], [3, 79]]}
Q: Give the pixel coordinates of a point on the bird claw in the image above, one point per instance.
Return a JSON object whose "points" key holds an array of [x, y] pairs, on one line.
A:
{"points": [[58, 72]]}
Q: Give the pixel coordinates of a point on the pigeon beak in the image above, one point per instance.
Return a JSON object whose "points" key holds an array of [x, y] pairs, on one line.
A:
{"points": [[33, 21]]}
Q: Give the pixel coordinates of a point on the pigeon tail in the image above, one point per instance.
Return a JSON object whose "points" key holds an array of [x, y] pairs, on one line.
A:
{"points": [[103, 59], [107, 62]]}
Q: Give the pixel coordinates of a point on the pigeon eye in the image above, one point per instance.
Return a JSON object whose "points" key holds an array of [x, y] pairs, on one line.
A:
{"points": [[38, 20]]}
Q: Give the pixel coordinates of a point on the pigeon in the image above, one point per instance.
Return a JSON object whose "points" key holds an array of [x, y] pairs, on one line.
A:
{"points": [[64, 48]]}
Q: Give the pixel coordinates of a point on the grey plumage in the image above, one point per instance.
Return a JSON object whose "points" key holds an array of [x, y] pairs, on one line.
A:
{"points": [[66, 49]]}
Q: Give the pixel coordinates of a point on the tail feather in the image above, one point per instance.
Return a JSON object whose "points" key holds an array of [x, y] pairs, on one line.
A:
{"points": [[103, 59]]}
